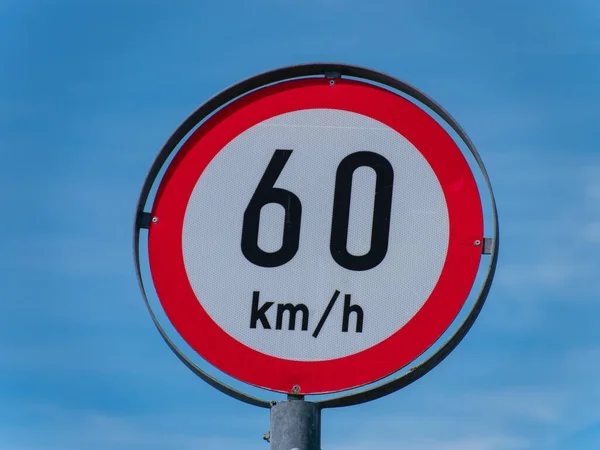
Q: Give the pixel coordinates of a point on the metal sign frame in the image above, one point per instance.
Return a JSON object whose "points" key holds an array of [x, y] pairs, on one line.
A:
{"points": [[329, 70]]}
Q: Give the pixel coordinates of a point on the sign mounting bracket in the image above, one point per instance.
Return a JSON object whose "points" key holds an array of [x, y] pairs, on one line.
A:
{"points": [[144, 220]]}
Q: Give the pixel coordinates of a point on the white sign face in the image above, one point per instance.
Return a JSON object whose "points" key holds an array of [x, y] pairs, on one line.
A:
{"points": [[315, 235], [382, 299]]}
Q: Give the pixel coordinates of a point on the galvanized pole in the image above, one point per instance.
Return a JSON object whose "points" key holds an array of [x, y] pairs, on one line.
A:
{"points": [[295, 425]]}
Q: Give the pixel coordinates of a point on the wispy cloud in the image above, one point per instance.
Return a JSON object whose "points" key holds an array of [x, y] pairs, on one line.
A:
{"points": [[77, 429], [485, 442], [550, 249]]}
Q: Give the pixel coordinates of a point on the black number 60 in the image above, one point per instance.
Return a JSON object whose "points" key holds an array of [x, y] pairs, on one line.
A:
{"points": [[266, 193]]}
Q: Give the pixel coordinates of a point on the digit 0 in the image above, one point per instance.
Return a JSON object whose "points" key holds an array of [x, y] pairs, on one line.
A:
{"points": [[380, 229]]}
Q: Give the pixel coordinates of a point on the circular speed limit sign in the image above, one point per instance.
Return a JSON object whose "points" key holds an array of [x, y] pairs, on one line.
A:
{"points": [[315, 233]]}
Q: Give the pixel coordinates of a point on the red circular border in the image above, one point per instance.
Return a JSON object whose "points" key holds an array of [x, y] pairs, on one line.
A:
{"points": [[437, 314]]}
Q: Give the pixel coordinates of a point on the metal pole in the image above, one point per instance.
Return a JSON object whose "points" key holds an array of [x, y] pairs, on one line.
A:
{"points": [[295, 425]]}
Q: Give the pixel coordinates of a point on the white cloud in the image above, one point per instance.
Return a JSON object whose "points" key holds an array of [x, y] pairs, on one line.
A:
{"points": [[77, 429], [591, 177], [435, 432], [546, 273], [68, 254], [485, 442], [547, 248], [539, 406], [591, 232]]}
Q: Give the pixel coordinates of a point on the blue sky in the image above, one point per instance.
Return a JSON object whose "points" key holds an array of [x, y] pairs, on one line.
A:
{"points": [[90, 90]]}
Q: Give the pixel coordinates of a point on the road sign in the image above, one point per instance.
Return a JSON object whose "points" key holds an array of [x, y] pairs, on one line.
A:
{"points": [[316, 234]]}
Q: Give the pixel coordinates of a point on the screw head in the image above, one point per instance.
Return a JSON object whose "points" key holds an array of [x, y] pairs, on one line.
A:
{"points": [[331, 82], [477, 242], [155, 220], [295, 389], [267, 436]]}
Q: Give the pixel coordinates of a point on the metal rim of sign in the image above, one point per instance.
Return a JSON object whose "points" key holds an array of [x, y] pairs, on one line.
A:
{"points": [[332, 71]]}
